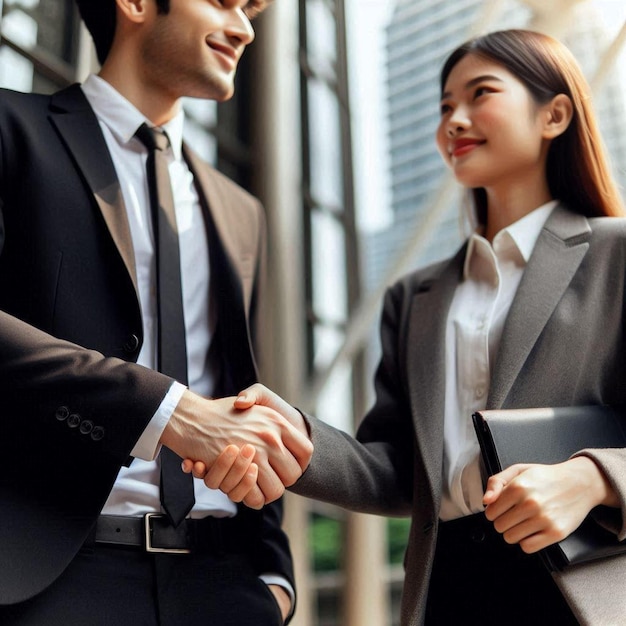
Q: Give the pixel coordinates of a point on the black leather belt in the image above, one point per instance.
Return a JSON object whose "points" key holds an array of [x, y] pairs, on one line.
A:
{"points": [[154, 533]]}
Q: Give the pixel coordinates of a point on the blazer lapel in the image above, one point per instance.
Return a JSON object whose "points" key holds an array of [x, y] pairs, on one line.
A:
{"points": [[232, 270], [559, 250], [223, 216], [78, 126], [426, 366]]}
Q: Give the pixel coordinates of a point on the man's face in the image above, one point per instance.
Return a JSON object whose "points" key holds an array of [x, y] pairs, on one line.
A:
{"points": [[194, 49]]}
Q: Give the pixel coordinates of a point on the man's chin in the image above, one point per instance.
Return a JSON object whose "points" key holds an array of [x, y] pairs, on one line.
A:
{"points": [[220, 92], [226, 96]]}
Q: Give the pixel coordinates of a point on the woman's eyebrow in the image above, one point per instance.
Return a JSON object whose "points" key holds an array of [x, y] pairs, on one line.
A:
{"points": [[474, 81]]}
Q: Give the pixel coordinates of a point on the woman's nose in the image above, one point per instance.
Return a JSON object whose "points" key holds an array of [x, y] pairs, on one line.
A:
{"points": [[457, 123]]}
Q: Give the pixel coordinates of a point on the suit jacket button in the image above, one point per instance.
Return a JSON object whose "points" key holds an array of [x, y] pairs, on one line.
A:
{"points": [[97, 433], [62, 413], [132, 343], [86, 426], [73, 421]]}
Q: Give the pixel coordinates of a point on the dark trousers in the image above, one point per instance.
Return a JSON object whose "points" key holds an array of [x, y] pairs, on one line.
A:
{"points": [[117, 586], [480, 579]]}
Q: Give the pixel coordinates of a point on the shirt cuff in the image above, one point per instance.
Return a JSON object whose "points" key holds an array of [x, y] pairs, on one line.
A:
{"points": [[276, 579], [148, 446]]}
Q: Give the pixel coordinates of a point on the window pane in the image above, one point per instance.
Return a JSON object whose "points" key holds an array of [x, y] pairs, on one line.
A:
{"points": [[321, 40], [329, 267], [47, 29], [325, 137]]}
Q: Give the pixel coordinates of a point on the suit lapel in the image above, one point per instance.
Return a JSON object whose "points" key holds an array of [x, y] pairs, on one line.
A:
{"points": [[219, 202], [232, 276], [426, 366], [559, 250], [78, 126]]}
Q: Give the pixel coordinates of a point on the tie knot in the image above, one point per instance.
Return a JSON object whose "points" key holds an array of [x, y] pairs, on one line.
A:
{"points": [[153, 138]]}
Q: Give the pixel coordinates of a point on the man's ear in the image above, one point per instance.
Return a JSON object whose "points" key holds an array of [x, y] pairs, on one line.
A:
{"points": [[558, 114], [133, 10]]}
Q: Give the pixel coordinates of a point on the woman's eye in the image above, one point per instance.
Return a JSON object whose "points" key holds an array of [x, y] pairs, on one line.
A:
{"points": [[445, 108]]}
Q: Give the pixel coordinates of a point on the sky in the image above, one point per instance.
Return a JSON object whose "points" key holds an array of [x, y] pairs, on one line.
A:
{"points": [[614, 12]]}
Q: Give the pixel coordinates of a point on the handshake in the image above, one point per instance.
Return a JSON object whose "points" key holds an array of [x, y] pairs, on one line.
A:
{"points": [[250, 447]]}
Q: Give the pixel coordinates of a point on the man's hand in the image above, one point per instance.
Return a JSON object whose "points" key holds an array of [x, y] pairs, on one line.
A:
{"points": [[229, 472], [201, 429], [538, 505], [282, 599]]}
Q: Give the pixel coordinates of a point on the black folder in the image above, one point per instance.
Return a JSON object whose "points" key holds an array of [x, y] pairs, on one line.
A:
{"points": [[547, 436]]}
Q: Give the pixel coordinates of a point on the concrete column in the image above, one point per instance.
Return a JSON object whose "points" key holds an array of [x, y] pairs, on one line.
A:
{"points": [[277, 181], [366, 596]]}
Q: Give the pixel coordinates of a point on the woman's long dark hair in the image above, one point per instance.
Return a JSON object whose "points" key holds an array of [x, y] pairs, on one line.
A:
{"points": [[578, 172]]}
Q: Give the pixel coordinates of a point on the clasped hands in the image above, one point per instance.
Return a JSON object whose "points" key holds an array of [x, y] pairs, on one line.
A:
{"points": [[251, 447]]}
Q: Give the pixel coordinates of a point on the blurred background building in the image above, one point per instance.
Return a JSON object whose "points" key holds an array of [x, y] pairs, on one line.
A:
{"points": [[332, 125]]}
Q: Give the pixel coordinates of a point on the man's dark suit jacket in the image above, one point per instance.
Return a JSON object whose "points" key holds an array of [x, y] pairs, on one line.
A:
{"points": [[69, 418], [563, 344]]}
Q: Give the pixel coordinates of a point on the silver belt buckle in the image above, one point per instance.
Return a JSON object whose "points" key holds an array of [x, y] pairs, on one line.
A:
{"points": [[148, 537]]}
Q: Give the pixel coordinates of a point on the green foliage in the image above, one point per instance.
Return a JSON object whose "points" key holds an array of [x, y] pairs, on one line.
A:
{"points": [[326, 536], [397, 537], [326, 539]]}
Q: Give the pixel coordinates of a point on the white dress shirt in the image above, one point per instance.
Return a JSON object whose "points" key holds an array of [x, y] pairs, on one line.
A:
{"points": [[136, 490], [481, 302]]}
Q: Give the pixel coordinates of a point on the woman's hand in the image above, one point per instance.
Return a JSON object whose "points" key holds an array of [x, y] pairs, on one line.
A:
{"points": [[538, 505], [233, 472]]}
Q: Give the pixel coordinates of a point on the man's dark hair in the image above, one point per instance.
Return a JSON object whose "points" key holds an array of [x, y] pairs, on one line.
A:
{"points": [[99, 17]]}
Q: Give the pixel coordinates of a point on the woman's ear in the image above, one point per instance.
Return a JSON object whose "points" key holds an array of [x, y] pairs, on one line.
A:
{"points": [[558, 114]]}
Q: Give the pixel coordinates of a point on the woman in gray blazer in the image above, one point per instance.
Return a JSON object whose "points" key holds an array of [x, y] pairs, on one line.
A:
{"points": [[530, 312]]}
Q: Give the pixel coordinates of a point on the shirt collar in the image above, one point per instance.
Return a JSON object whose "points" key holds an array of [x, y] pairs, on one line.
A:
{"points": [[521, 235], [122, 118]]}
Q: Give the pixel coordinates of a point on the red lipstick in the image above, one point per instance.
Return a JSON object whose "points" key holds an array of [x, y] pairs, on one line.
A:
{"points": [[463, 146]]}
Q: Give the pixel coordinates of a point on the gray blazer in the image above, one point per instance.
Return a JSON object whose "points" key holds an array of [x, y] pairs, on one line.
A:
{"points": [[562, 344]]}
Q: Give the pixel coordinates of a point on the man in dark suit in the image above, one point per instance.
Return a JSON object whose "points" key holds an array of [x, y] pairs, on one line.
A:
{"points": [[82, 535]]}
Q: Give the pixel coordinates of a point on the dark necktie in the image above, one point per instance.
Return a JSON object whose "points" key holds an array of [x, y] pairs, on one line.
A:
{"points": [[177, 495]]}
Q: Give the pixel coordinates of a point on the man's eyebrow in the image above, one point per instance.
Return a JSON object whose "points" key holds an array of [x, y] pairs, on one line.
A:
{"points": [[473, 82]]}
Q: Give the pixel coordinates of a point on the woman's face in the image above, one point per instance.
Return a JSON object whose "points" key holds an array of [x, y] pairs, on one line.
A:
{"points": [[491, 129]]}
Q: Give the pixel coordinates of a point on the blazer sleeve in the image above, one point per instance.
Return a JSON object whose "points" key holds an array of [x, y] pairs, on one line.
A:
{"points": [[68, 422], [373, 472], [612, 461], [44, 381]]}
